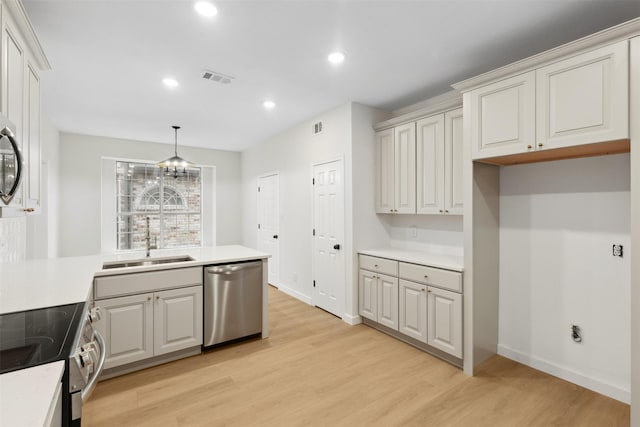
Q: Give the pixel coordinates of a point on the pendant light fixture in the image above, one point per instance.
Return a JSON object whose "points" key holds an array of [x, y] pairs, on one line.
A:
{"points": [[175, 166]]}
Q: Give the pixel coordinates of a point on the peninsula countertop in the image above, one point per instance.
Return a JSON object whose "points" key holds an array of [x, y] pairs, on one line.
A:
{"points": [[39, 283]]}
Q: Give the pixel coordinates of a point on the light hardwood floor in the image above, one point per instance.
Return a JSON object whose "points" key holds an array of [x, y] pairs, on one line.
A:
{"points": [[315, 370]]}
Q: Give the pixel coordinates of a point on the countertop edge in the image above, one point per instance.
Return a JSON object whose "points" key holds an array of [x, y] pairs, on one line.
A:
{"points": [[445, 262]]}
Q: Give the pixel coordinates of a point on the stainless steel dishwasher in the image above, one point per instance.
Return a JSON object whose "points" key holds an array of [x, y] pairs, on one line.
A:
{"points": [[232, 301]]}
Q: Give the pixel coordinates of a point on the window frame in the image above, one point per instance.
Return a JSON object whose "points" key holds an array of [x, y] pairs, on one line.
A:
{"points": [[108, 209]]}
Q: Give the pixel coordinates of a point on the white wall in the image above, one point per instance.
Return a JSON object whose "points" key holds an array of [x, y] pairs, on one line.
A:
{"points": [[80, 175], [347, 134], [558, 222]]}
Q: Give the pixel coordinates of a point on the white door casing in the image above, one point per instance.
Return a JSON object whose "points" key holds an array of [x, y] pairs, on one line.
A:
{"points": [[269, 222], [328, 240]]}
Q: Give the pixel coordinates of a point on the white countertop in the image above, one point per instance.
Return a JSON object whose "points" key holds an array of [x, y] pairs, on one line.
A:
{"points": [[448, 262], [41, 283], [27, 396]]}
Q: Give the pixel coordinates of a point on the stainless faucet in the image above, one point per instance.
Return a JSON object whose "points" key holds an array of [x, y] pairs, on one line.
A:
{"points": [[147, 238]]}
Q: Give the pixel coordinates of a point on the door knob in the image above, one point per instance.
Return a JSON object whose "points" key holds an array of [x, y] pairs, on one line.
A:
{"points": [[336, 247], [275, 236]]}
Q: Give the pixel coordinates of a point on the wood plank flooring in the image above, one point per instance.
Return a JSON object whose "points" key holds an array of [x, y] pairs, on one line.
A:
{"points": [[315, 370]]}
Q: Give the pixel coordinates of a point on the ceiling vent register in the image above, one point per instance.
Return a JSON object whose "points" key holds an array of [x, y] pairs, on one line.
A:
{"points": [[217, 77]]}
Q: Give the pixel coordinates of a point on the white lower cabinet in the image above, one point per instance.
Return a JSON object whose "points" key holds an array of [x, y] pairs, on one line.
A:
{"points": [[379, 298], [127, 328], [177, 319], [419, 301], [141, 326], [413, 310], [445, 321]]}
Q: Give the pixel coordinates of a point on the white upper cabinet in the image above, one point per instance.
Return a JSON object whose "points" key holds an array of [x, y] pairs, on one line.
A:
{"points": [[439, 164], [453, 143], [576, 101], [22, 58], [584, 99], [503, 117], [405, 168], [396, 170], [430, 164], [385, 179]]}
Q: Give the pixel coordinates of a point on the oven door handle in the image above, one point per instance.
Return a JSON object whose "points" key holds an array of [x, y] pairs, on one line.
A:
{"points": [[88, 389]]}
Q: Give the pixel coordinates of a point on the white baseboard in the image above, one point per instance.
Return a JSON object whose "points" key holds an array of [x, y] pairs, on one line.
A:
{"points": [[298, 295], [351, 320], [566, 374]]}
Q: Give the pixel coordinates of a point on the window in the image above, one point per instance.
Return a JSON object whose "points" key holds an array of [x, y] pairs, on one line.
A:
{"points": [[173, 206]]}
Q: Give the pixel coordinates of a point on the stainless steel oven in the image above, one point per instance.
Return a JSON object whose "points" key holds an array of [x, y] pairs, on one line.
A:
{"points": [[35, 337]]}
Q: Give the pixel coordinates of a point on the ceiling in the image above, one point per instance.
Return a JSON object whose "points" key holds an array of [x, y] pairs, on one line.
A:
{"points": [[109, 58]]}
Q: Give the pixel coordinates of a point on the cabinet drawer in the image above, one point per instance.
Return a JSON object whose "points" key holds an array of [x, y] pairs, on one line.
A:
{"points": [[444, 279], [379, 265], [136, 283]]}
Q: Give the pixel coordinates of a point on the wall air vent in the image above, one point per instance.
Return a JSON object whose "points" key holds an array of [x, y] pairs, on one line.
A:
{"points": [[217, 77], [316, 128]]}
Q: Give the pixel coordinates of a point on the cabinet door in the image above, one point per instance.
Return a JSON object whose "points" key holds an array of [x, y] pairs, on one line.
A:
{"points": [[445, 321], [177, 319], [405, 168], [453, 189], [32, 139], [388, 301], [385, 175], [503, 117], [127, 328], [13, 58], [413, 310], [430, 165], [368, 295], [584, 99]]}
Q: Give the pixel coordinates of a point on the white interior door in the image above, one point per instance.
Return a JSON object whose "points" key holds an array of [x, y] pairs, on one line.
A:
{"points": [[269, 223], [328, 240]]}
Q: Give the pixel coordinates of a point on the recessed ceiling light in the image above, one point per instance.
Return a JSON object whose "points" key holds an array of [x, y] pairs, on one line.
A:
{"points": [[205, 8], [169, 82], [269, 105], [336, 57]]}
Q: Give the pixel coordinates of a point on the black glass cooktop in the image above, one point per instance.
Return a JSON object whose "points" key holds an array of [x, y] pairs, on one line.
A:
{"points": [[34, 337]]}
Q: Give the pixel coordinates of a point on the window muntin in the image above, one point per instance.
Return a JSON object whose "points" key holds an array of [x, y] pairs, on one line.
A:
{"points": [[174, 206]]}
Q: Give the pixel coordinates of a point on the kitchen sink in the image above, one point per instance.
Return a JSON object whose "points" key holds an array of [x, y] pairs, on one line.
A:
{"points": [[145, 262]]}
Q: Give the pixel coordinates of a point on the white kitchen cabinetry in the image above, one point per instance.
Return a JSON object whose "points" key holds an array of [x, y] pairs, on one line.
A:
{"points": [[378, 290], [177, 319], [584, 99], [439, 164], [379, 298], [22, 58], [420, 302], [413, 310], [396, 170], [127, 328], [149, 314], [503, 117], [445, 321], [576, 101]]}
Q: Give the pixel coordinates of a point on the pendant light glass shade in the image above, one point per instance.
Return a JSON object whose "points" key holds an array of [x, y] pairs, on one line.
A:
{"points": [[175, 166]]}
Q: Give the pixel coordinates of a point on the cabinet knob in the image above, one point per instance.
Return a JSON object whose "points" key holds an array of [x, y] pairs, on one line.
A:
{"points": [[375, 265], [540, 145], [446, 211], [429, 290], [441, 211], [157, 297], [528, 147], [148, 298], [390, 210], [422, 290], [426, 277]]}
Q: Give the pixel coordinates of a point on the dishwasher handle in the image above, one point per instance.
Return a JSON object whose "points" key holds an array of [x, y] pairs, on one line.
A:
{"points": [[233, 268]]}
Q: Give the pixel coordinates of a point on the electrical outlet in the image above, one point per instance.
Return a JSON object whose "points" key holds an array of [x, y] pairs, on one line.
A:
{"points": [[617, 250], [576, 333]]}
